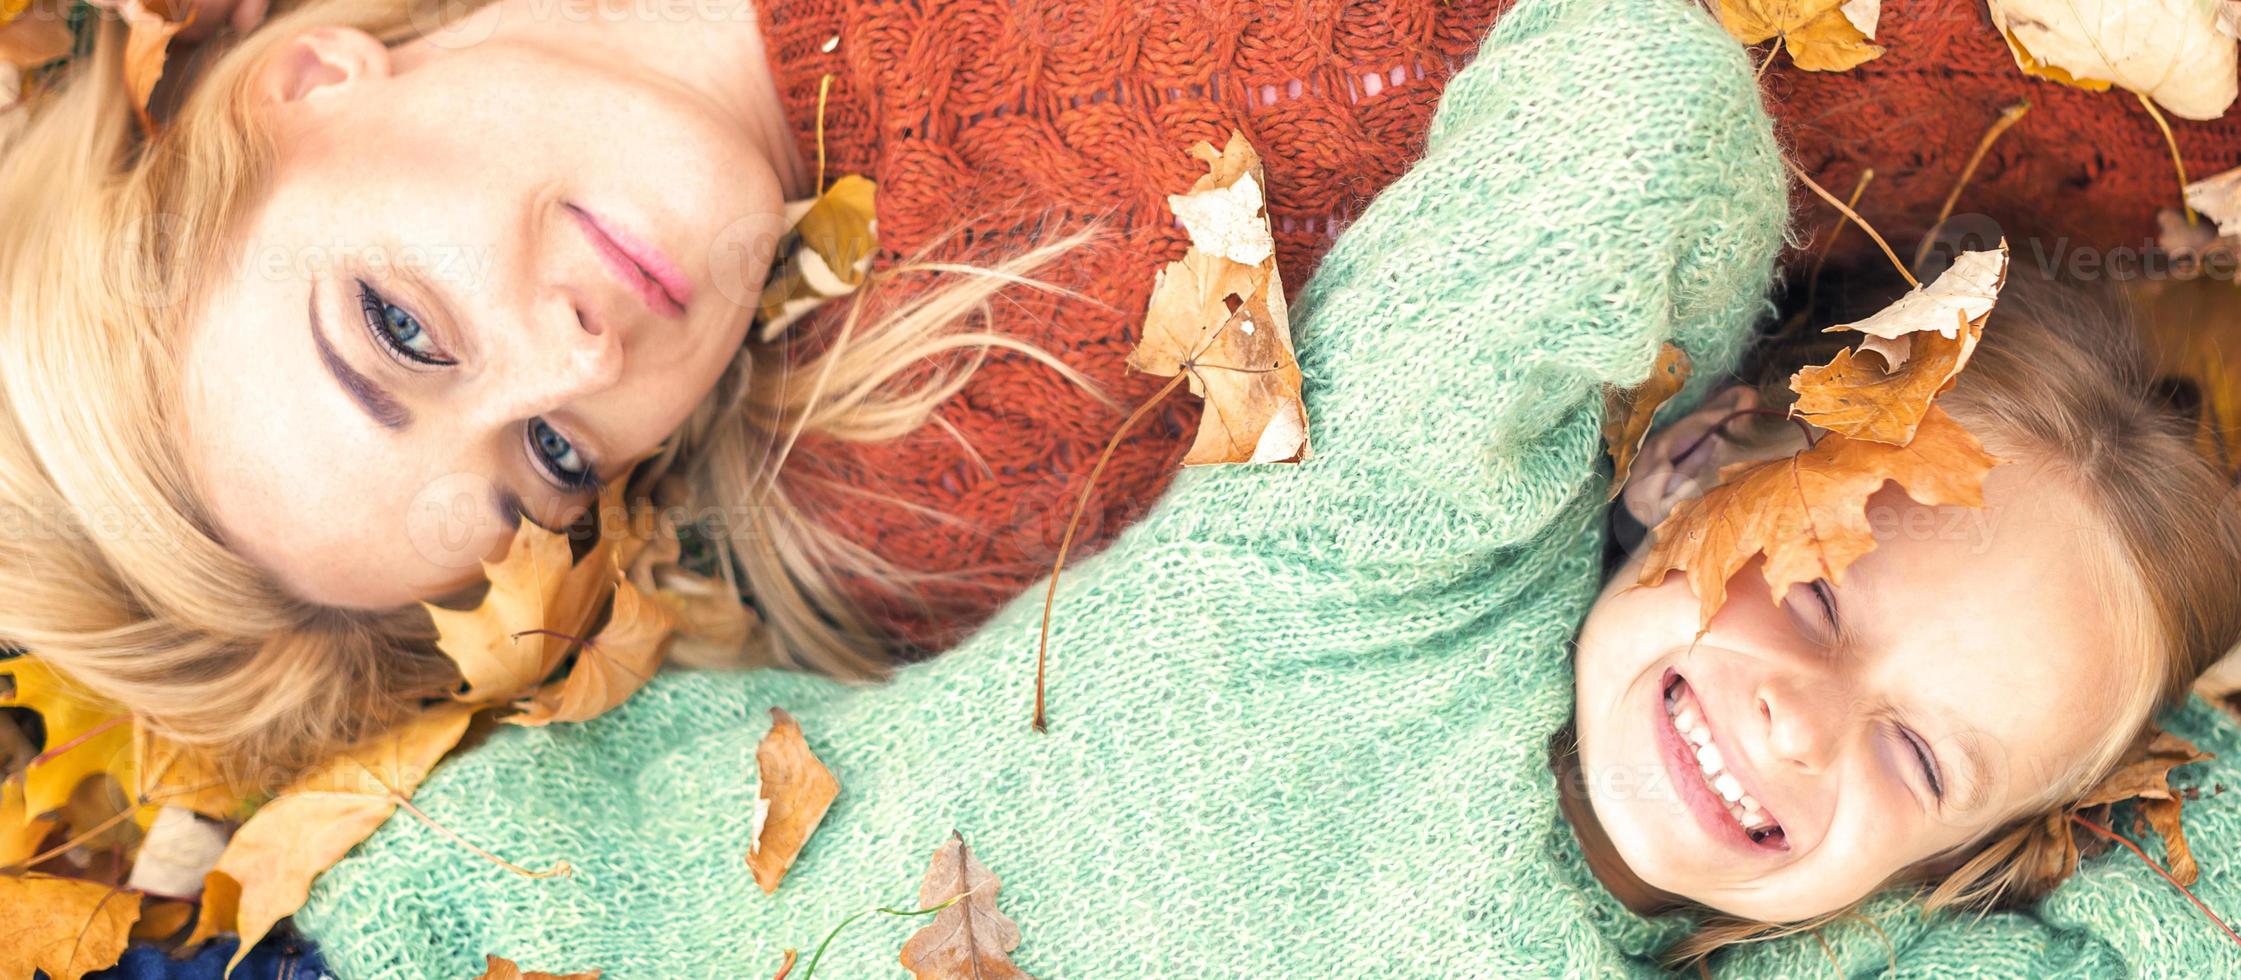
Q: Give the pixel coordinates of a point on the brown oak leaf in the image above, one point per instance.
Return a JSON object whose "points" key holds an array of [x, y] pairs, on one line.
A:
{"points": [[970, 939]]}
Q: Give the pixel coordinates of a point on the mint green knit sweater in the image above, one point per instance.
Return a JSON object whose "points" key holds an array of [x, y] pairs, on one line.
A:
{"points": [[1299, 714]]}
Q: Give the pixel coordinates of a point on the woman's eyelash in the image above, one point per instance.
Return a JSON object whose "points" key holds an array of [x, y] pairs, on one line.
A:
{"points": [[1929, 765], [377, 308]]}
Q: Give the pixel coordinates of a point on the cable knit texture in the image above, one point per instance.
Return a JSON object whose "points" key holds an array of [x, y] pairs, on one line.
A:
{"points": [[1012, 118], [993, 124], [1300, 715]]}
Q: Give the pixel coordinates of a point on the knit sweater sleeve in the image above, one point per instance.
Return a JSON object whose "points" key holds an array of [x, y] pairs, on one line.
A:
{"points": [[1298, 715], [1456, 339]]}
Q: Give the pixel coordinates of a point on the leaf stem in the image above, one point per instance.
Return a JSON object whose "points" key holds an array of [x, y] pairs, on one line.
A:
{"points": [[2008, 117], [82, 739], [558, 869], [2135, 848], [1066, 543], [2172, 142], [1855, 216], [1813, 280], [811, 973]]}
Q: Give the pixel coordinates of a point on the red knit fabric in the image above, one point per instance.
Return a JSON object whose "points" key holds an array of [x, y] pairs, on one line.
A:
{"points": [[2082, 169], [1012, 119]]}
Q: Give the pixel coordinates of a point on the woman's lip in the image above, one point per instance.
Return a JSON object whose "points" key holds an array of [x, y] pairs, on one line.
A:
{"points": [[1687, 779], [639, 265]]}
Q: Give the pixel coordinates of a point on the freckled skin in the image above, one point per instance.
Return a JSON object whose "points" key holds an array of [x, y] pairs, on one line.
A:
{"points": [[1984, 627], [445, 173]]}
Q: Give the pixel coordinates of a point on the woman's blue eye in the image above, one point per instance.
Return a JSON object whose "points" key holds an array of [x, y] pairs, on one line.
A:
{"points": [[397, 330], [558, 456]]}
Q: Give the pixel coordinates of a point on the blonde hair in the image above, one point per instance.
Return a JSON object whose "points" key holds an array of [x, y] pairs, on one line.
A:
{"points": [[2062, 381], [117, 575]]}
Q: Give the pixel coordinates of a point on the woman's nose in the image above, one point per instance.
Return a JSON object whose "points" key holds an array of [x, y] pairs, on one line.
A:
{"points": [[564, 357]]}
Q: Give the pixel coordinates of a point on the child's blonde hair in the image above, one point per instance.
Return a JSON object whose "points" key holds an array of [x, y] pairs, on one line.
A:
{"points": [[115, 572], [2062, 381]]}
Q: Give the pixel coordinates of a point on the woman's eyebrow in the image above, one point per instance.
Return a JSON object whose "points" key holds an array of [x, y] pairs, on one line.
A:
{"points": [[371, 398]]}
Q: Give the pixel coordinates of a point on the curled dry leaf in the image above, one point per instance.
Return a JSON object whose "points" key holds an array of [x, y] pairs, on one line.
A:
{"points": [[1820, 35], [1807, 513], [149, 27], [2169, 50], [826, 252], [1627, 412], [267, 869], [1922, 342], [969, 940], [609, 668], [161, 919], [500, 968], [1224, 321], [66, 927], [2219, 199], [799, 790]]}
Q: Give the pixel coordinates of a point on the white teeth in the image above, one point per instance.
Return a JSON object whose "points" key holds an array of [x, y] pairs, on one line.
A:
{"points": [[1708, 756], [1742, 807], [1729, 788]]}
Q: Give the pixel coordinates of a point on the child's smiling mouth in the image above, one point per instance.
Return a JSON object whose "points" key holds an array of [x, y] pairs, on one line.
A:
{"points": [[1699, 773]]}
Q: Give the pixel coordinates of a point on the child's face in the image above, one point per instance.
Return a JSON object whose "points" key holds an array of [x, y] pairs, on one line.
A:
{"points": [[1966, 666]]}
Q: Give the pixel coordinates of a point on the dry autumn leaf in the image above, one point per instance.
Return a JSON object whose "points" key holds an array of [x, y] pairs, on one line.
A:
{"points": [[799, 789], [2218, 198], [2171, 51], [611, 666], [266, 871], [21, 833], [33, 32], [1224, 323], [500, 968], [1807, 513], [826, 253], [87, 734], [161, 918], [149, 27], [969, 940], [497, 645], [1922, 342], [66, 927], [1627, 411], [1820, 35]]}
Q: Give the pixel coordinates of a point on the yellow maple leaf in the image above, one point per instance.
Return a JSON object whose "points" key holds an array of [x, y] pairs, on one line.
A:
{"points": [[1818, 34], [65, 927], [826, 252], [499, 646], [87, 735], [21, 833], [267, 869], [1807, 513], [609, 668]]}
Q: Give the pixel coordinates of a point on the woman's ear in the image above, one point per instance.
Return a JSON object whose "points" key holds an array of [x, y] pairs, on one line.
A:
{"points": [[1682, 460], [320, 62]]}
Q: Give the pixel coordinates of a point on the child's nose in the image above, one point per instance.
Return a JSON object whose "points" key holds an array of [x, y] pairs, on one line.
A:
{"points": [[1804, 717]]}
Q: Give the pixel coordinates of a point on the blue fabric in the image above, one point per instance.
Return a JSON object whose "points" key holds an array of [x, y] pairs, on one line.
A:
{"points": [[273, 959]]}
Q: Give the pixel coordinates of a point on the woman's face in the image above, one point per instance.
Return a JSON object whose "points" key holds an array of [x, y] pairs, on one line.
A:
{"points": [[1964, 668], [487, 276]]}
